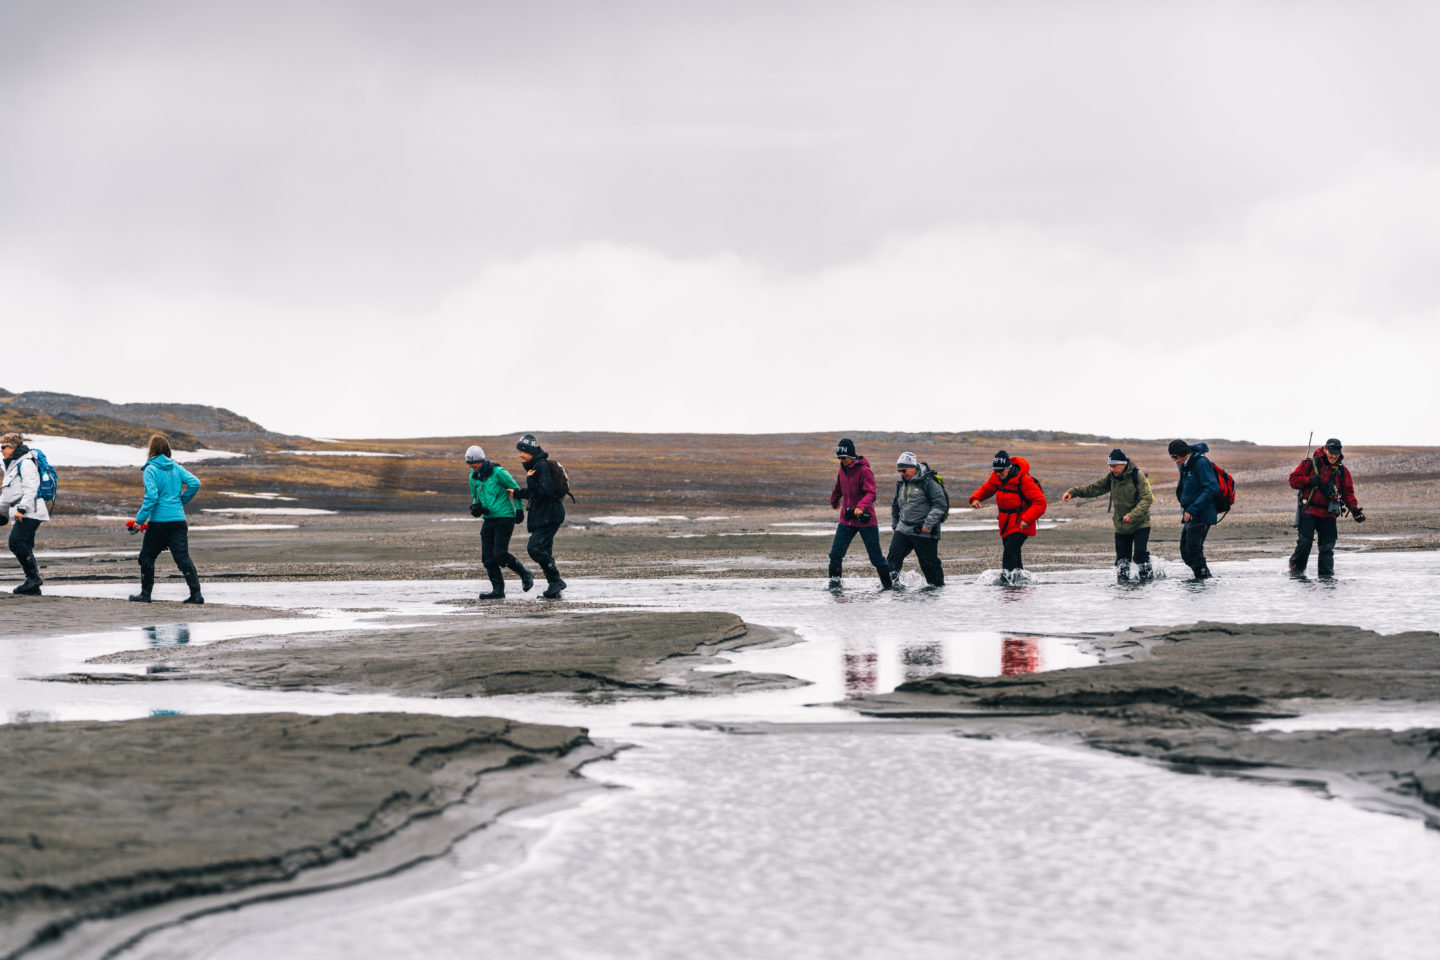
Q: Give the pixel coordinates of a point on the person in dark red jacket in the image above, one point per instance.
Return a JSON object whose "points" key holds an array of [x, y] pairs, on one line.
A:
{"points": [[854, 497], [1020, 500], [1326, 492]]}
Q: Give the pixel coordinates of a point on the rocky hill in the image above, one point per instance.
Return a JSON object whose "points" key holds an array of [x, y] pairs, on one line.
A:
{"points": [[189, 426]]}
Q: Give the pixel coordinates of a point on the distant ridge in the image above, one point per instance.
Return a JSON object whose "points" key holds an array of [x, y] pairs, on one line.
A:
{"points": [[189, 426]]}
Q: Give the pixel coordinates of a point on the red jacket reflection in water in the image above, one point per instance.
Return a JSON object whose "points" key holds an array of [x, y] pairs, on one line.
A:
{"points": [[1019, 655]]}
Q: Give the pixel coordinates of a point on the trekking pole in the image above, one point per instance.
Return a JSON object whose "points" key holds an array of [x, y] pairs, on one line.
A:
{"points": [[1300, 494]]}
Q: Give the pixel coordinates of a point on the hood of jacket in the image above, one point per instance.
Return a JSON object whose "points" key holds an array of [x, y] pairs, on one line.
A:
{"points": [[1200, 448], [161, 461], [854, 467], [18, 454], [1023, 470]]}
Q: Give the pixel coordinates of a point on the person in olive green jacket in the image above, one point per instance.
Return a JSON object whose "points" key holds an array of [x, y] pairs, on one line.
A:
{"points": [[1130, 500], [492, 496]]}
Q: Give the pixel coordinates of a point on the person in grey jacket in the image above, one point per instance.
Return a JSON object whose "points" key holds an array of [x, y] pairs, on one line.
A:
{"points": [[919, 507], [20, 501]]}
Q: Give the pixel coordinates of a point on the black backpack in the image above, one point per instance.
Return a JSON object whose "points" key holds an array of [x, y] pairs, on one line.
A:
{"points": [[561, 479]]}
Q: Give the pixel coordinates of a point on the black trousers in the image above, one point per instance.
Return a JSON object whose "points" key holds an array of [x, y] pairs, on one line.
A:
{"points": [[541, 545], [172, 535], [927, 554], [1133, 546], [1328, 530], [495, 536], [1013, 544], [22, 544], [844, 534], [1192, 545]]}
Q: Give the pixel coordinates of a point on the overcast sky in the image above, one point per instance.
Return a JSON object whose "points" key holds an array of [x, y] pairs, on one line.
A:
{"points": [[421, 218]]}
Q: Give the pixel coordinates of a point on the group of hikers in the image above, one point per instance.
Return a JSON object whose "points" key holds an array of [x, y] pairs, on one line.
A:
{"points": [[918, 511], [921, 504]]}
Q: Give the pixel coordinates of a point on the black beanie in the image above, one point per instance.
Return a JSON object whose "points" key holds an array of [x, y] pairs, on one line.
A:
{"points": [[1001, 461], [846, 448], [1179, 448], [528, 444], [1117, 456]]}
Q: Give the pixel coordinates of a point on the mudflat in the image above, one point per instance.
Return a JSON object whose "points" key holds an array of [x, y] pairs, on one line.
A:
{"points": [[1190, 696], [102, 819]]}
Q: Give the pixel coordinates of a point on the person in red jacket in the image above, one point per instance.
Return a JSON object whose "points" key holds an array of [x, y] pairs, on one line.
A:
{"points": [[1020, 500], [854, 498], [1326, 492]]}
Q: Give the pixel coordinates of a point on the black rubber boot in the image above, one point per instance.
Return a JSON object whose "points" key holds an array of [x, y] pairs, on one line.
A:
{"points": [[192, 580], [31, 586], [147, 584], [526, 580], [1122, 571], [497, 585], [557, 585], [886, 581], [1145, 573]]}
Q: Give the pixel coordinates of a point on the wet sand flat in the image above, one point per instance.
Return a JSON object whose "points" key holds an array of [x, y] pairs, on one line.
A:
{"points": [[1187, 696], [50, 616], [99, 819]]}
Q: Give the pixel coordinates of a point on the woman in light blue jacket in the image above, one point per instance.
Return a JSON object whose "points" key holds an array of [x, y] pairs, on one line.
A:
{"points": [[168, 487]]}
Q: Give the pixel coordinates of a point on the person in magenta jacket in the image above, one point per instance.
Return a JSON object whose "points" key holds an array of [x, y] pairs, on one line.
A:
{"points": [[854, 498]]}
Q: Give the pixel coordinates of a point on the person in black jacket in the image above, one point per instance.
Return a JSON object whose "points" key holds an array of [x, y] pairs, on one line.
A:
{"points": [[546, 513]]}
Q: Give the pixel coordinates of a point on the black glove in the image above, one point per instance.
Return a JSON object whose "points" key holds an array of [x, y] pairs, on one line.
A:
{"points": [[1358, 514], [476, 510], [519, 514], [4, 517]]}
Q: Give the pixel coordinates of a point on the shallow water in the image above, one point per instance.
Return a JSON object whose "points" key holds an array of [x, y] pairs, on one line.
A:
{"points": [[854, 844], [842, 845]]}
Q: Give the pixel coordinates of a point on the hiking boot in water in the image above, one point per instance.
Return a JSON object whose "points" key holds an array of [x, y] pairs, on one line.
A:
{"points": [[192, 580], [1122, 571], [1146, 572], [886, 581]]}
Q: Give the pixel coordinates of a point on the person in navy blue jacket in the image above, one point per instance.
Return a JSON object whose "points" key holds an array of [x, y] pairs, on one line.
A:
{"points": [[1196, 492]]}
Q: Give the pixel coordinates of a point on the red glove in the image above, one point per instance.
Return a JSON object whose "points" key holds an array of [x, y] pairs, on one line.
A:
{"points": [[134, 527]]}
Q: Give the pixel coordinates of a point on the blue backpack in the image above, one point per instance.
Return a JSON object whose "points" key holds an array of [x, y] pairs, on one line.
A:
{"points": [[49, 479]]}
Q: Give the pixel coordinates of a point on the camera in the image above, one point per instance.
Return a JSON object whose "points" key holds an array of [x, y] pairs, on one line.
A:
{"points": [[1335, 507]]}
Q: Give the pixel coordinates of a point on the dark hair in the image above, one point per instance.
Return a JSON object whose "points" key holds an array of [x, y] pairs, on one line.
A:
{"points": [[159, 446]]}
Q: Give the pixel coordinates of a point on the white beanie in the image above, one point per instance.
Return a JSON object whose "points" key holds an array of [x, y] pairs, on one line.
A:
{"points": [[475, 454], [907, 459]]}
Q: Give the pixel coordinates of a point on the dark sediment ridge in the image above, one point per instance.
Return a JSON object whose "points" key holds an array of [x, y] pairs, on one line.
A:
{"points": [[98, 820], [648, 653], [1188, 697]]}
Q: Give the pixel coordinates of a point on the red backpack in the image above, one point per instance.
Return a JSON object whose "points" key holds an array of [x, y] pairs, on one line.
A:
{"points": [[1225, 498]]}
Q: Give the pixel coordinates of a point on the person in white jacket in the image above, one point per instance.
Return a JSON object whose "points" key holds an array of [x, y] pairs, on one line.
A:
{"points": [[20, 502]]}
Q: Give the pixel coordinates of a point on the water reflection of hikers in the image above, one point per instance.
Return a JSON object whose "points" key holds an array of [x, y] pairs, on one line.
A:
{"points": [[919, 507], [20, 501], [492, 497], [1130, 500], [547, 511], [1326, 492], [1196, 492], [168, 487], [854, 497], [1020, 501]]}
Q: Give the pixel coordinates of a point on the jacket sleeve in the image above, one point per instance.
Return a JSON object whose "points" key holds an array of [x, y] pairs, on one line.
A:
{"points": [[867, 490], [29, 474], [1091, 489], [1347, 489], [1141, 511], [506, 481], [895, 508], [1301, 476], [1207, 485], [191, 482], [987, 489], [835, 494], [1036, 497], [939, 500], [147, 506]]}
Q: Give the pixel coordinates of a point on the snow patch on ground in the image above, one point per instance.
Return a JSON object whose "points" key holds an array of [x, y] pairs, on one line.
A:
{"points": [[72, 452], [338, 453], [274, 511], [255, 496]]}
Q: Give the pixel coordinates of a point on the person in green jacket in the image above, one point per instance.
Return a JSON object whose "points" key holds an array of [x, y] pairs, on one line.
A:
{"points": [[492, 496], [1130, 500]]}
